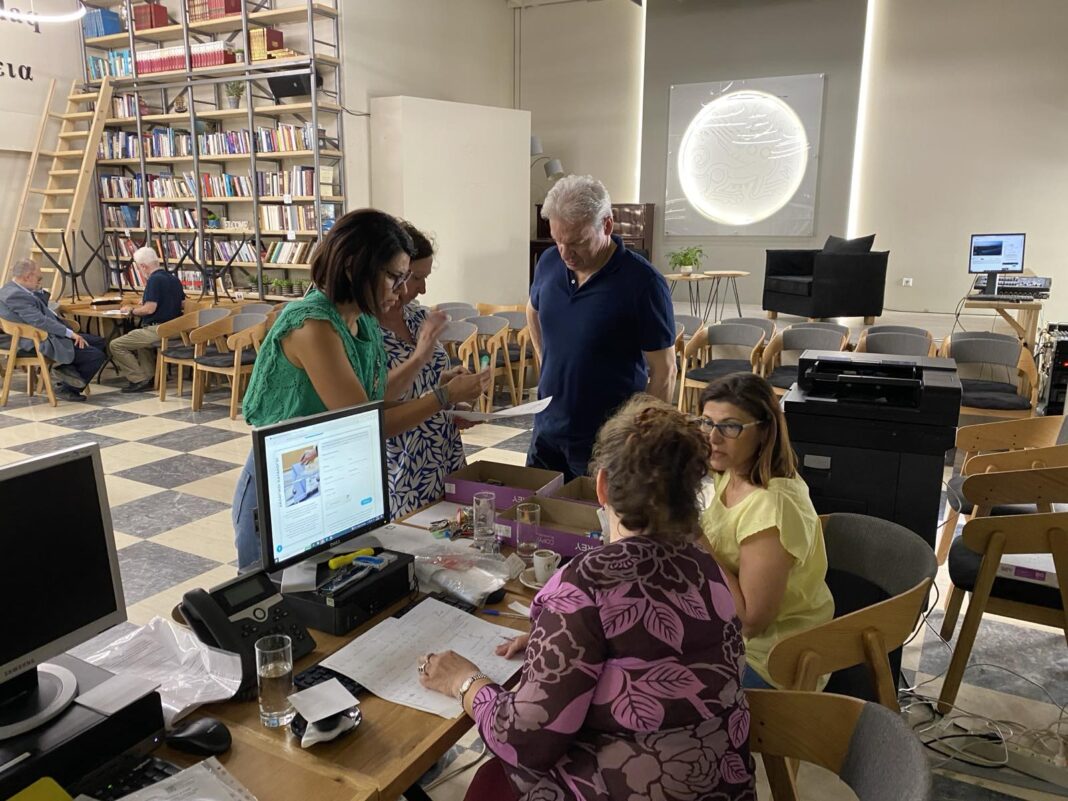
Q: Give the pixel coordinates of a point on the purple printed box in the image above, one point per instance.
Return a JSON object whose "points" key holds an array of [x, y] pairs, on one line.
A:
{"points": [[580, 490], [565, 526], [510, 483]]}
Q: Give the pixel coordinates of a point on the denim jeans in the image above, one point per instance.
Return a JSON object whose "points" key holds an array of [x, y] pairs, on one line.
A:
{"points": [[752, 680], [243, 513]]}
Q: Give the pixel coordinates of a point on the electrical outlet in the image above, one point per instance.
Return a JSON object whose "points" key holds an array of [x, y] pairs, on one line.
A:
{"points": [[906, 282]]}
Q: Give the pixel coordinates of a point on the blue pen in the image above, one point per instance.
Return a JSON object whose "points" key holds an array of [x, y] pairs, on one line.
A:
{"points": [[497, 613]]}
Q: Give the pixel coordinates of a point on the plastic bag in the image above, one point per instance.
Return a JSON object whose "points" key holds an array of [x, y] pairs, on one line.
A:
{"points": [[460, 570]]}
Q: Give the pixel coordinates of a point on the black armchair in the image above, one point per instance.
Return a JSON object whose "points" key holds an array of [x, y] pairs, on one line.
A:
{"points": [[817, 283]]}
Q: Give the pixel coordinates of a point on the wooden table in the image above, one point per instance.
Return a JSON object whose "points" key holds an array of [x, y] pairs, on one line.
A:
{"points": [[718, 278], [391, 748], [1025, 323], [693, 289]]}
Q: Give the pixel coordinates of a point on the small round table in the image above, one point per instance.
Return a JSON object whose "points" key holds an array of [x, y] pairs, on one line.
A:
{"points": [[693, 288], [718, 277]]}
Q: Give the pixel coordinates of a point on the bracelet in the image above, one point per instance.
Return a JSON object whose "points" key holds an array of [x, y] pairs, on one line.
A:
{"points": [[467, 685], [441, 394]]}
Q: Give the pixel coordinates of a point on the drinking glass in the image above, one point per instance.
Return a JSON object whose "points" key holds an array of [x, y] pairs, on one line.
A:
{"points": [[527, 520], [485, 517], [274, 672]]}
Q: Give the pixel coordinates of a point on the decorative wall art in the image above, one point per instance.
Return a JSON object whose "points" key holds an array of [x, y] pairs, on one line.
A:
{"points": [[742, 157]]}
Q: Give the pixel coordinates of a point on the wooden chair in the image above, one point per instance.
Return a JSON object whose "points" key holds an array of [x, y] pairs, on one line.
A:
{"points": [[176, 348], [779, 361], [997, 374], [1004, 445], [487, 309], [256, 308], [691, 324], [520, 350], [898, 343], [715, 351], [457, 311], [975, 557], [460, 340], [31, 362], [870, 748], [493, 344], [237, 341], [867, 558]]}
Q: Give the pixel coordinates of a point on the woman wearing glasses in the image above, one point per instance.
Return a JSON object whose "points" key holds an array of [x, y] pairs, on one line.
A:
{"points": [[761, 525], [325, 351]]}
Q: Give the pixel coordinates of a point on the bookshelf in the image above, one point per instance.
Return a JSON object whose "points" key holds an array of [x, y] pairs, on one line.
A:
{"points": [[250, 183]]}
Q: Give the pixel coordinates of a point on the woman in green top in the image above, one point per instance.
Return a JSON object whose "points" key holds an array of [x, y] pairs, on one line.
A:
{"points": [[325, 351], [761, 525]]}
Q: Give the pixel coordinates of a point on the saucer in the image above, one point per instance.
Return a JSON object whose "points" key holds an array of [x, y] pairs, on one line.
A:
{"points": [[527, 579]]}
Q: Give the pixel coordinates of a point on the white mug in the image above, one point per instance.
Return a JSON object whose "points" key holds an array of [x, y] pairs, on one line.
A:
{"points": [[545, 564]]}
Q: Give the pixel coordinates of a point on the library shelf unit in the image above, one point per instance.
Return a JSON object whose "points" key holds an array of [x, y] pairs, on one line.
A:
{"points": [[233, 194]]}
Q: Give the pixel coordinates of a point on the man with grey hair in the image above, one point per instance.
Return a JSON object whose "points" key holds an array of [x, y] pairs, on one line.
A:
{"points": [[135, 353], [77, 357], [601, 323]]}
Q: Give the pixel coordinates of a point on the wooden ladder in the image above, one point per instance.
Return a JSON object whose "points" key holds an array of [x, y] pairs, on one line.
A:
{"points": [[70, 177]]}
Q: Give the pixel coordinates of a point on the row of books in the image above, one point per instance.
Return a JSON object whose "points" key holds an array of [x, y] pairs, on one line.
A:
{"points": [[288, 252], [123, 216], [297, 182], [225, 143], [117, 64], [167, 142], [286, 137], [288, 218], [100, 22], [201, 54], [221, 250]]}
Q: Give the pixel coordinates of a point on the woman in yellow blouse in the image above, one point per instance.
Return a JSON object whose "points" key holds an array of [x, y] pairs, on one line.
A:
{"points": [[761, 525]]}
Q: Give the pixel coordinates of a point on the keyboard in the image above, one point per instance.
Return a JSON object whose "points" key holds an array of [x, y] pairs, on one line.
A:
{"points": [[128, 774], [317, 674], [1002, 298], [445, 598]]}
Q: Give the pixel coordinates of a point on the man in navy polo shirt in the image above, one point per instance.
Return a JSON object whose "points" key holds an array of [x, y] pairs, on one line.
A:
{"points": [[601, 322]]}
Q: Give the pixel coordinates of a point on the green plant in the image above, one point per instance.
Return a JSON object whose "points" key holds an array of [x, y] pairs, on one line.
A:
{"points": [[686, 257], [235, 88]]}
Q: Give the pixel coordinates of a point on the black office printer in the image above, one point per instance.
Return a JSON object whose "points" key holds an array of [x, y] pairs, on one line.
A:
{"points": [[871, 432]]}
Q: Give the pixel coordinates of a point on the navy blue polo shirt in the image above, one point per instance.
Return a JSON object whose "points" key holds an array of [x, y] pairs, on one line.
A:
{"points": [[166, 291], [593, 337]]}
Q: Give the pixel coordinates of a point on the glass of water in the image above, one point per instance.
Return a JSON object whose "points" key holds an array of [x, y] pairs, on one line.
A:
{"points": [[527, 520], [274, 672], [484, 511]]}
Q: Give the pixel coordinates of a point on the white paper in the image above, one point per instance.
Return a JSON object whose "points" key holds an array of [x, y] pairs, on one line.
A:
{"points": [[515, 411], [116, 693], [205, 781], [323, 700], [384, 660], [444, 510], [188, 672], [522, 609]]}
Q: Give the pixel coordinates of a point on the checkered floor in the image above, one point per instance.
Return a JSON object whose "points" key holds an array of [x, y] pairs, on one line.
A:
{"points": [[170, 476]]}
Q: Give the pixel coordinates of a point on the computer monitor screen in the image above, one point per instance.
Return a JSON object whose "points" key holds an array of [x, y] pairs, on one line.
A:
{"points": [[59, 574], [320, 479], [996, 253]]}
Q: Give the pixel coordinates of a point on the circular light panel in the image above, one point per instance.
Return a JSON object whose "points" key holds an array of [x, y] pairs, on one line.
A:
{"points": [[742, 157]]}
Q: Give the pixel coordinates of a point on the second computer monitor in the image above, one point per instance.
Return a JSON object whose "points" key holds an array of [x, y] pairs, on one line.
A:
{"points": [[996, 253], [320, 480]]}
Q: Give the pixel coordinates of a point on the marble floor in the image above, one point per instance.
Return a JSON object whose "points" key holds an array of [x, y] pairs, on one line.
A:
{"points": [[170, 475]]}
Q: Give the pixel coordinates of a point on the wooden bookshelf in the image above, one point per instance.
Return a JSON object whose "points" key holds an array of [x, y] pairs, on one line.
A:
{"points": [[146, 102]]}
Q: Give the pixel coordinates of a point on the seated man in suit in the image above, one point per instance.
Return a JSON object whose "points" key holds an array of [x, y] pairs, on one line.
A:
{"points": [[77, 357]]}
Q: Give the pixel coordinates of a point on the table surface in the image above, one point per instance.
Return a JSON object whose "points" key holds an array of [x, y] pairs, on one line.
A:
{"points": [[688, 277], [726, 273], [1029, 305], [392, 747]]}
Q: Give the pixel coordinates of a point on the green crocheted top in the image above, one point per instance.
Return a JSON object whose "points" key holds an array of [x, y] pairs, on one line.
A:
{"points": [[279, 391]]}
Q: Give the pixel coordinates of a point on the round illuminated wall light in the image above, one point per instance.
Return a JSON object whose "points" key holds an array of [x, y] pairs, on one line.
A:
{"points": [[742, 157]]}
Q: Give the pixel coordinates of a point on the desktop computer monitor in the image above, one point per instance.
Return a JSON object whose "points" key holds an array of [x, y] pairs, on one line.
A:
{"points": [[59, 579], [320, 480], [996, 253]]}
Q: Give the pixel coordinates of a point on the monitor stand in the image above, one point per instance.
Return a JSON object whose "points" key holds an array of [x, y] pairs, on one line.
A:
{"points": [[34, 698]]}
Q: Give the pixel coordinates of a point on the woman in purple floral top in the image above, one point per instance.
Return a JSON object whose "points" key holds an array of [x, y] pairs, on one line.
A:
{"points": [[631, 683]]}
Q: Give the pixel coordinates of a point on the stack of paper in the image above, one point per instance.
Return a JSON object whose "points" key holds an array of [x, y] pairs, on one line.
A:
{"points": [[384, 660]]}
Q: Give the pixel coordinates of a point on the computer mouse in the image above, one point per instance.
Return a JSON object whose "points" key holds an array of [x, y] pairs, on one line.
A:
{"points": [[203, 737]]}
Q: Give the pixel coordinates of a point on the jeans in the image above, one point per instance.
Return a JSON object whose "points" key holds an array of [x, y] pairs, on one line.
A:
{"points": [[89, 360], [571, 459], [243, 514], [752, 680]]}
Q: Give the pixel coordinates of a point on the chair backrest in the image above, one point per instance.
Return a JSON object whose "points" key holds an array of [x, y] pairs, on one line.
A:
{"points": [[517, 320], [841, 329], [680, 329], [1038, 533], [886, 554], [496, 308], [869, 747], [896, 343], [457, 331], [255, 308], [458, 313], [993, 358], [691, 324], [446, 306], [1041, 485], [797, 339], [488, 325], [205, 316], [898, 329], [1006, 435], [763, 323], [735, 334], [1023, 459], [247, 320]]}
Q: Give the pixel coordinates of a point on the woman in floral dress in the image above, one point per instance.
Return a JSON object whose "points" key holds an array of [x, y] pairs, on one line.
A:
{"points": [[631, 683]]}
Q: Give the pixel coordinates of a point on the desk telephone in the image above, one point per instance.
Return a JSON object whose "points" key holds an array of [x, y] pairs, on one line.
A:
{"points": [[235, 614]]}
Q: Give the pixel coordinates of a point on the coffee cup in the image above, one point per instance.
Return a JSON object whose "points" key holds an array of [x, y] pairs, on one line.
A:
{"points": [[545, 564]]}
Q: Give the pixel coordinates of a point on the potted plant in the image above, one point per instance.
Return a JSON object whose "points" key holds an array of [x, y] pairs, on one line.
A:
{"points": [[686, 260], [276, 286], [235, 90]]}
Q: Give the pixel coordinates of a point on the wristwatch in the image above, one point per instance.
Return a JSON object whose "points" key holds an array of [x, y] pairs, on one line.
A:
{"points": [[442, 396], [467, 684]]}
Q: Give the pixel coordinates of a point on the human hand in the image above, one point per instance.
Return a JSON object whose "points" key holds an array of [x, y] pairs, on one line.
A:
{"points": [[448, 375], [79, 341], [445, 672], [429, 332], [308, 456], [513, 646], [468, 387]]}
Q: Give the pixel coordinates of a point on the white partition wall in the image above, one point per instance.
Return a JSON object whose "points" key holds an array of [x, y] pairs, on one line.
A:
{"points": [[462, 173]]}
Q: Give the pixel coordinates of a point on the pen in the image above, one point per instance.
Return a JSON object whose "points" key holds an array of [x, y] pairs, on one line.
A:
{"points": [[497, 613], [341, 561]]}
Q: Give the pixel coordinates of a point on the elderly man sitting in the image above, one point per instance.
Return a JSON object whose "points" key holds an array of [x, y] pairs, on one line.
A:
{"points": [[77, 357]]}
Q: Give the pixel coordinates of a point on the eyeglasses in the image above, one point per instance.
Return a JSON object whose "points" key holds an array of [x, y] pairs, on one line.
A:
{"points": [[398, 280], [728, 430]]}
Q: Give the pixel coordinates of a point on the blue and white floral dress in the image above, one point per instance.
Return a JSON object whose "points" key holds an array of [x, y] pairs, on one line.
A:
{"points": [[421, 457]]}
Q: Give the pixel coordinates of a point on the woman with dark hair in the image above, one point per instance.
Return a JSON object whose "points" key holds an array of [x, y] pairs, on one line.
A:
{"points": [[421, 457], [761, 525], [325, 351], [631, 682]]}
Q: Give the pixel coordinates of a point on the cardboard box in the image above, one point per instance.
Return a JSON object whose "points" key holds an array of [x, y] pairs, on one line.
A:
{"points": [[581, 490], [565, 526], [512, 483]]}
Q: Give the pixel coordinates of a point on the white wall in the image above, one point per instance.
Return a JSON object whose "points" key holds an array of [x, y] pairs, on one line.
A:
{"points": [[696, 41], [459, 50], [461, 173], [966, 133], [581, 79]]}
